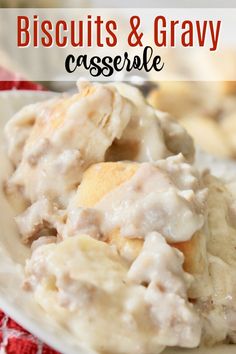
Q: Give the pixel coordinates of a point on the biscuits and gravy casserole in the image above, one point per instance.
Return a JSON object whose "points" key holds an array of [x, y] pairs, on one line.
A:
{"points": [[133, 248]]}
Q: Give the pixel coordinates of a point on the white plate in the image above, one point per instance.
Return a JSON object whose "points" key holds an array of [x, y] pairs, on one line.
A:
{"points": [[17, 303]]}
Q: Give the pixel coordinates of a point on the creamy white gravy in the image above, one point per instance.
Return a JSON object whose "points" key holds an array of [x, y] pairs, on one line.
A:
{"points": [[165, 196], [120, 310], [51, 144], [81, 281]]}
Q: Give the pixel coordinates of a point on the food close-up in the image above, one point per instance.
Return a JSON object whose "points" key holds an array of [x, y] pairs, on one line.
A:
{"points": [[129, 229]]}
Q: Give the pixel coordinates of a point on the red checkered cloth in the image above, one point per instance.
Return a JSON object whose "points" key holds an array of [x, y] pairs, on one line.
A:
{"points": [[13, 338], [16, 340]]}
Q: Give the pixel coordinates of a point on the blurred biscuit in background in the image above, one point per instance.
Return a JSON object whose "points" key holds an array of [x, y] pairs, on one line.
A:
{"points": [[206, 109], [208, 134]]}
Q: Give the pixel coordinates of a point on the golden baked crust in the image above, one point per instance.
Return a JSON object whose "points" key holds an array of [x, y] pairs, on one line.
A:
{"points": [[100, 179]]}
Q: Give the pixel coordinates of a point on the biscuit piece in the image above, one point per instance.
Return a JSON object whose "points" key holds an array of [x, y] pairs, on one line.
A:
{"points": [[177, 98], [101, 179], [207, 134], [228, 125], [64, 137]]}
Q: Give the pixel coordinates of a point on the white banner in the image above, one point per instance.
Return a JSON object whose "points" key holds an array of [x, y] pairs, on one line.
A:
{"points": [[120, 44]]}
